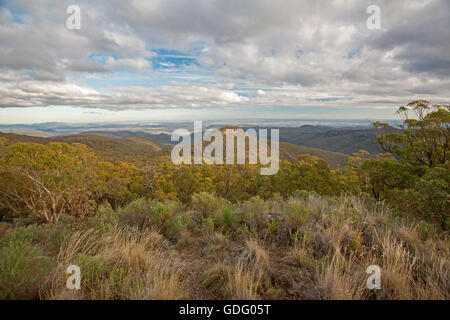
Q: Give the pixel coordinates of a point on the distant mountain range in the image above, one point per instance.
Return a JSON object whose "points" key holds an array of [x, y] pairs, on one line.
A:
{"points": [[342, 140], [137, 144], [339, 136]]}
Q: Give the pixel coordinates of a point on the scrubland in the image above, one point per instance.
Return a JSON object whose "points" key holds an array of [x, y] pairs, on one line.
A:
{"points": [[163, 231], [304, 247]]}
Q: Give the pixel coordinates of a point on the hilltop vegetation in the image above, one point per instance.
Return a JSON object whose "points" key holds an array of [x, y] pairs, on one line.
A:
{"points": [[140, 150], [292, 152], [341, 140], [135, 150], [163, 231], [347, 141]]}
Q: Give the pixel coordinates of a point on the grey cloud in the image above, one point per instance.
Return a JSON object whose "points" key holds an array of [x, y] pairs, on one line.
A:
{"points": [[314, 48], [426, 60], [23, 59], [85, 66]]}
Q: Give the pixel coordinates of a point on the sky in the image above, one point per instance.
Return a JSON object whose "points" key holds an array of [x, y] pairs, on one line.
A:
{"points": [[171, 60]]}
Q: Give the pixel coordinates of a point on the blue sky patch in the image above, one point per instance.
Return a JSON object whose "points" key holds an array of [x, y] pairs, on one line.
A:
{"points": [[101, 57]]}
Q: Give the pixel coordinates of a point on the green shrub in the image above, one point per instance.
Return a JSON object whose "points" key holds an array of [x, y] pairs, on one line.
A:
{"points": [[426, 230], [165, 219], [206, 204], [161, 213], [429, 198], [106, 218], [208, 226], [253, 213], [119, 283], [23, 269], [137, 213], [296, 213], [92, 270], [228, 218], [143, 213], [48, 236], [356, 216], [273, 227]]}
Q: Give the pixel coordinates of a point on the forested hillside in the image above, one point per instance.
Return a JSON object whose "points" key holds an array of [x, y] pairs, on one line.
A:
{"points": [[129, 149], [140, 150], [341, 140]]}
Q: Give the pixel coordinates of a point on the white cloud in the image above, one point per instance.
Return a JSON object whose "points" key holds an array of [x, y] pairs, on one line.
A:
{"points": [[296, 53], [230, 96], [135, 64]]}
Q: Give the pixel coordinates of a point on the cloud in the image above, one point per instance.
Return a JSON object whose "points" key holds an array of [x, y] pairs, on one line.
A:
{"points": [[232, 97], [37, 93], [136, 64], [202, 54]]}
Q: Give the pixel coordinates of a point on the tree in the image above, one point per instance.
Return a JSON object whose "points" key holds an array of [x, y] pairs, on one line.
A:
{"points": [[49, 180], [120, 183], [417, 181], [424, 139]]}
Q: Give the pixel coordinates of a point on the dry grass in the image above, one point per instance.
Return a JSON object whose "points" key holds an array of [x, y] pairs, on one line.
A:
{"points": [[303, 258], [256, 257], [123, 264], [317, 248], [232, 281], [338, 280], [345, 243], [243, 283]]}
